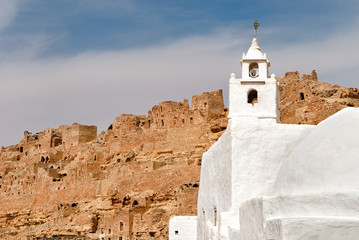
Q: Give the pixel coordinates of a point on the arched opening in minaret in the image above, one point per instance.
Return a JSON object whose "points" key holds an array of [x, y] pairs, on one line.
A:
{"points": [[252, 96], [253, 70]]}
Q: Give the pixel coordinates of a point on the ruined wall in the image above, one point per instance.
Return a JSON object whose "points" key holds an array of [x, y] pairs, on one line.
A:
{"points": [[68, 183], [305, 100]]}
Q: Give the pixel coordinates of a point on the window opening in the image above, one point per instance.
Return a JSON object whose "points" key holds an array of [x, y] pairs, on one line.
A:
{"points": [[121, 226], [301, 96], [252, 97]]}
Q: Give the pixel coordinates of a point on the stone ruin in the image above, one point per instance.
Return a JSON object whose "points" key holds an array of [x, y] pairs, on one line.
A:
{"points": [[70, 183]]}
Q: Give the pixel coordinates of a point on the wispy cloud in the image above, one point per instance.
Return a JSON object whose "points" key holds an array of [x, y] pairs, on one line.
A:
{"points": [[334, 56], [17, 45], [24, 46], [8, 11], [94, 87]]}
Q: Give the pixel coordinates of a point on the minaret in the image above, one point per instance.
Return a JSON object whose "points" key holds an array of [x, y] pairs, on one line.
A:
{"points": [[255, 94]]}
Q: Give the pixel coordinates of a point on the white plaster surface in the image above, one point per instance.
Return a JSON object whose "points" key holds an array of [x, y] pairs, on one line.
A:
{"points": [[298, 216], [183, 228], [267, 106], [258, 149], [254, 55], [315, 229], [215, 185], [327, 160], [339, 205], [254, 52]]}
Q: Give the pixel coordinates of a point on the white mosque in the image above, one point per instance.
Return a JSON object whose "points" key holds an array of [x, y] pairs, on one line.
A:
{"points": [[272, 181]]}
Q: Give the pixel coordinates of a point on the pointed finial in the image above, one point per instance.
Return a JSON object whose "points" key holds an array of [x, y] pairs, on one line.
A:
{"points": [[255, 25]]}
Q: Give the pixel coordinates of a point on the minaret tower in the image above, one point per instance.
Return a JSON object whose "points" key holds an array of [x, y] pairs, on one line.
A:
{"points": [[255, 94]]}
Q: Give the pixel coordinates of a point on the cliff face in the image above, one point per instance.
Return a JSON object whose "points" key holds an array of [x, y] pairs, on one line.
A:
{"points": [[68, 183]]}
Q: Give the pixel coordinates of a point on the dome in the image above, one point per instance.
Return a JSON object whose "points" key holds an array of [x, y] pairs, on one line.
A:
{"points": [[254, 52], [326, 160]]}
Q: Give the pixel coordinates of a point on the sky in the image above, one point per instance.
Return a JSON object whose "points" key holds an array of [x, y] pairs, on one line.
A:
{"points": [[89, 61]]}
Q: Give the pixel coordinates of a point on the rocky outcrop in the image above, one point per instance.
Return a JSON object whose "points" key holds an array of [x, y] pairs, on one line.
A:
{"points": [[125, 183], [305, 100]]}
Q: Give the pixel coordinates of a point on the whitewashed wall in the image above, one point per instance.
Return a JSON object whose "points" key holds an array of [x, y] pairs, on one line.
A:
{"points": [[259, 147], [316, 191], [183, 228], [215, 185], [327, 160], [267, 106], [295, 217]]}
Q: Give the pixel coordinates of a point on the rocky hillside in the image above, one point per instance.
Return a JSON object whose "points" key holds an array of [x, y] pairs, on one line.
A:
{"points": [[304, 100], [69, 183]]}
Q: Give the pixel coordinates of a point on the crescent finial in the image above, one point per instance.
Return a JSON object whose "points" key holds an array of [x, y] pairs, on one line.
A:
{"points": [[255, 25]]}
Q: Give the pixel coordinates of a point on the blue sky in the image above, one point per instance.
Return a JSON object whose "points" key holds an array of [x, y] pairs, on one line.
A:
{"points": [[89, 61], [72, 27], [68, 28]]}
